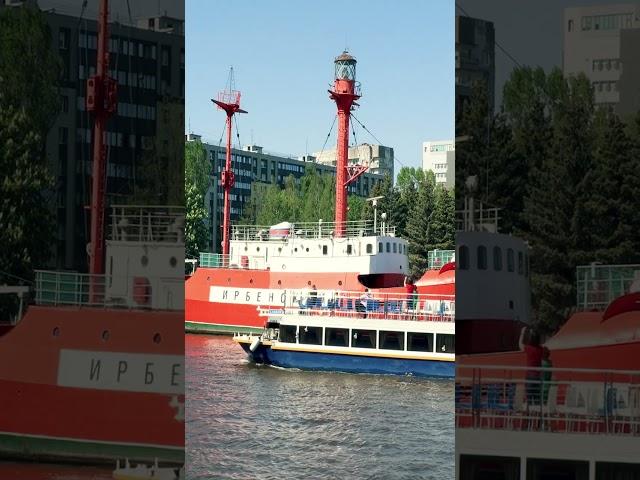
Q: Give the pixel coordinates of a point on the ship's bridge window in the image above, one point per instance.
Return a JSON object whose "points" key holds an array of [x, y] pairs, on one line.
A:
{"points": [[388, 247], [369, 248], [445, 343], [510, 260], [349, 249], [288, 333], [324, 249], [310, 335], [380, 247], [482, 257], [336, 337], [391, 340], [395, 248], [520, 263], [420, 342], [363, 338], [526, 264], [497, 259], [404, 249], [464, 257]]}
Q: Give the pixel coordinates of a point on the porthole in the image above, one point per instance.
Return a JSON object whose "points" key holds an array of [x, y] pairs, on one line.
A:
{"points": [[279, 282], [340, 282], [56, 332], [279, 249], [309, 283], [257, 249], [144, 260], [251, 280], [105, 335], [295, 249], [246, 248], [173, 261], [307, 249], [157, 338]]}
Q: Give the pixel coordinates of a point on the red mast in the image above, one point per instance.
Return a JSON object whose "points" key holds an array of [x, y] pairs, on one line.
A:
{"points": [[345, 92], [102, 101], [229, 101]]}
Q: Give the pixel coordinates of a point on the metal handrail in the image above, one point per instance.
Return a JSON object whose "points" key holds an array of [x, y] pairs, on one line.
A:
{"points": [[309, 230], [140, 223], [378, 305], [552, 400]]}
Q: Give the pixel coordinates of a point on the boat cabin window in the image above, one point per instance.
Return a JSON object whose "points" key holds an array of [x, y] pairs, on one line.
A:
{"points": [[497, 259], [391, 340], [445, 343], [349, 249], [395, 248], [526, 264], [388, 247], [369, 248], [324, 249], [363, 338], [510, 261], [310, 335], [420, 342], [482, 257], [520, 263], [404, 249], [287, 333], [380, 247], [464, 257], [336, 337]]}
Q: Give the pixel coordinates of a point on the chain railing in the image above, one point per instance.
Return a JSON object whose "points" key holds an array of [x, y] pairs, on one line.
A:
{"points": [[375, 305], [555, 400]]}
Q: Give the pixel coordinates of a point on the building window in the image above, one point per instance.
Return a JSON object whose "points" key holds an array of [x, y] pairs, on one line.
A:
{"points": [[391, 340], [310, 335], [464, 257], [363, 338], [497, 259], [510, 260], [419, 342], [336, 337], [445, 343], [482, 257], [288, 333]]}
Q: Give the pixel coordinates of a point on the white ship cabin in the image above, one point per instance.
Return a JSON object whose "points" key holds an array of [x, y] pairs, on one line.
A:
{"points": [[492, 269], [144, 264], [365, 248]]}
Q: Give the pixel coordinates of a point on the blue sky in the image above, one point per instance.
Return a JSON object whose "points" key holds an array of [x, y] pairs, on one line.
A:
{"points": [[282, 53]]}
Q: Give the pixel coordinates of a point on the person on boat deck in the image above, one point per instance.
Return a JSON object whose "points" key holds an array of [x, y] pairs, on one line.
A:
{"points": [[412, 293], [529, 342], [546, 373], [362, 305]]}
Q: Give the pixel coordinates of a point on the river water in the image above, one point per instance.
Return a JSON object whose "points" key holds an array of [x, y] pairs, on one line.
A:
{"points": [[246, 421]]}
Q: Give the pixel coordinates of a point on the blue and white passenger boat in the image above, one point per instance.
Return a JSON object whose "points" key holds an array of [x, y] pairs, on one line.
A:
{"points": [[396, 336]]}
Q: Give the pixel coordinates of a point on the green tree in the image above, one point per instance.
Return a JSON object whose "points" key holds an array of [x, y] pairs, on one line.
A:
{"points": [[196, 183], [29, 104], [421, 232]]}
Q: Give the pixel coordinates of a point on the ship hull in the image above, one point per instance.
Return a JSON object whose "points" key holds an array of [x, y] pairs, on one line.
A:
{"points": [[332, 362], [226, 301], [93, 386]]}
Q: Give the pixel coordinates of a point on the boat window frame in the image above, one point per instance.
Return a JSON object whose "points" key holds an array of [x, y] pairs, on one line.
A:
{"points": [[430, 341], [327, 333], [301, 332], [374, 337], [402, 337]]}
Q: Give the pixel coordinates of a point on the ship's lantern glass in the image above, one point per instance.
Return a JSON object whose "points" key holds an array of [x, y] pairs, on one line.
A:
{"points": [[345, 67]]}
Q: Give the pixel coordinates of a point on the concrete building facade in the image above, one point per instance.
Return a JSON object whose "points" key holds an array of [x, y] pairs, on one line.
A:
{"points": [[440, 158], [255, 168], [475, 58], [148, 63], [378, 157], [593, 45]]}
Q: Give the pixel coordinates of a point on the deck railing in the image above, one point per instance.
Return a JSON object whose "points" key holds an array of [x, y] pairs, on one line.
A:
{"points": [[438, 258], [553, 400], [376, 305], [599, 285], [136, 223], [310, 230], [75, 289]]}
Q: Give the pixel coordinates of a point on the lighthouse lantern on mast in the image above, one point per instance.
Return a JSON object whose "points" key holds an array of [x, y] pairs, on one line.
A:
{"points": [[345, 92]]}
